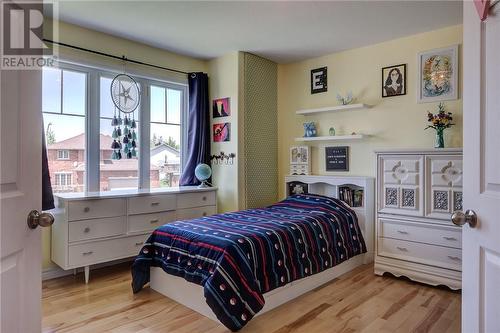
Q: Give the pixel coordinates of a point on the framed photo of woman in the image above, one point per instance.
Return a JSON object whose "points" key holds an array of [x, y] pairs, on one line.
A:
{"points": [[394, 80]]}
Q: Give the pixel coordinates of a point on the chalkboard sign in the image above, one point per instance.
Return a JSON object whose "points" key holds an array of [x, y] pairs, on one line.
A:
{"points": [[337, 158]]}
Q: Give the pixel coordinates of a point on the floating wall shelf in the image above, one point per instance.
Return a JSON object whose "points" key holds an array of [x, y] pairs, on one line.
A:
{"points": [[336, 108], [331, 138]]}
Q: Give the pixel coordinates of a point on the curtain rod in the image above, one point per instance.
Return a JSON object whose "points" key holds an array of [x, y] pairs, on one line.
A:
{"points": [[122, 58]]}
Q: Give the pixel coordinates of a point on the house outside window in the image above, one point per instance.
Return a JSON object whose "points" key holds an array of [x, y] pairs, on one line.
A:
{"points": [[63, 154]]}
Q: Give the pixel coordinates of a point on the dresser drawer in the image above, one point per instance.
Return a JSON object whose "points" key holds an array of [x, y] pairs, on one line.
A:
{"points": [[422, 253], [192, 213], [196, 199], [96, 228], [151, 204], [89, 209], [105, 250], [149, 222], [419, 232]]}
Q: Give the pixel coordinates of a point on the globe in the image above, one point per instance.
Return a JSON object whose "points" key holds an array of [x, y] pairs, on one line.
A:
{"points": [[202, 173]]}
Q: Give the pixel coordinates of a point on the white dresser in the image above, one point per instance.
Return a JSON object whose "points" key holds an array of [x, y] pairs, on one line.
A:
{"points": [[92, 228], [417, 190]]}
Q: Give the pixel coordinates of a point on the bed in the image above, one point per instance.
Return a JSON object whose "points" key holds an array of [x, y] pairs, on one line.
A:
{"points": [[244, 263]]}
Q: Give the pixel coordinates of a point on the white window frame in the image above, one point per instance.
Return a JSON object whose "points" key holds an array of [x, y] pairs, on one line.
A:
{"points": [[93, 115], [65, 174], [65, 154]]}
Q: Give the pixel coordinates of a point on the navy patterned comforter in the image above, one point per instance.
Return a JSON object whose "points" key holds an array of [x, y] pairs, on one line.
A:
{"points": [[239, 256]]}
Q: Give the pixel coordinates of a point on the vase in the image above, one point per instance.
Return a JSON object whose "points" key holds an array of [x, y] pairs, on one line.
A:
{"points": [[439, 138]]}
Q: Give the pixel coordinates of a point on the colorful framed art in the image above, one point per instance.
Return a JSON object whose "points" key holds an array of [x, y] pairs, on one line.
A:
{"points": [[438, 75]]}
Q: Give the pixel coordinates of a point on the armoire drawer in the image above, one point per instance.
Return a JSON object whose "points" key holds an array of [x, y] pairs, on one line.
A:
{"points": [[96, 228], [104, 250], [422, 253], [192, 213], [151, 204], [149, 222], [420, 232], [90, 209], [195, 199]]}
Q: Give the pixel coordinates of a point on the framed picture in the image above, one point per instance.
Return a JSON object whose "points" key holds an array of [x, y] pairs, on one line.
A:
{"points": [[299, 155], [438, 75], [337, 158], [222, 132], [319, 80], [221, 107], [394, 80], [297, 188]]}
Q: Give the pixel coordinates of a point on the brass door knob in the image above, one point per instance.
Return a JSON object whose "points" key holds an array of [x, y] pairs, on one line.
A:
{"points": [[35, 219], [459, 218]]}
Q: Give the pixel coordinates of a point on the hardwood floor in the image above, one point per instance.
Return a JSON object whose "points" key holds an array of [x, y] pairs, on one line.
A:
{"points": [[358, 301]]}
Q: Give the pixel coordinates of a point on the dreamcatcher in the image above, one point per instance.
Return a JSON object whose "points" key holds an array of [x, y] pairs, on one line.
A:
{"points": [[126, 97]]}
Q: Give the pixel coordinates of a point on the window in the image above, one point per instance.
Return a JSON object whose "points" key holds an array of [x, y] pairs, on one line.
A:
{"points": [[63, 179], [115, 174], [165, 136], [77, 112], [64, 94], [63, 154]]}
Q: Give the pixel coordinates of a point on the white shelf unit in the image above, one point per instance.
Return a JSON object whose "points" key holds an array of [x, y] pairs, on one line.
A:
{"points": [[336, 108], [331, 138]]}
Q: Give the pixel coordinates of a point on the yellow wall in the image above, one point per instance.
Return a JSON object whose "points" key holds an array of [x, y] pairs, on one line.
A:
{"points": [[224, 82], [392, 122], [91, 39]]}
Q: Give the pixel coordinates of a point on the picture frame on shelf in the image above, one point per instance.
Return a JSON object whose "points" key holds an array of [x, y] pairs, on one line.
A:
{"points": [[300, 160], [438, 75], [297, 188], [319, 80], [394, 81]]}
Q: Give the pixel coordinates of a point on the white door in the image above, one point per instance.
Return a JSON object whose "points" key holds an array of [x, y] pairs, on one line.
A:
{"points": [[481, 96], [20, 192]]}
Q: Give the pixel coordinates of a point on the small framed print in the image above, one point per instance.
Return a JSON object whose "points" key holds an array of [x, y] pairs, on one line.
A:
{"points": [[222, 132], [337, 158], [319, 80], [394, 80], [299, 155], [221, 107]]}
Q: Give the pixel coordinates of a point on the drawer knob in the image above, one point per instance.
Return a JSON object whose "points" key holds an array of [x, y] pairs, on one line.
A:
{"points": [[454, 258], [402, 249], [403, 232], [86, 209], [450, 238], [204, 198], [87, 229], [155, 203], [204, 214], [138, 243], [87, 253], [154, 221]]}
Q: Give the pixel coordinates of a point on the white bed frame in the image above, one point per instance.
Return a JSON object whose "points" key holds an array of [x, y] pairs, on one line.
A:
{"points": [[191, 295]]}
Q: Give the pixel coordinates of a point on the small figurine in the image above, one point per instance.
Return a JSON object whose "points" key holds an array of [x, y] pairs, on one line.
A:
{"points": [[345, 100], [331, 131], [309, 129]]}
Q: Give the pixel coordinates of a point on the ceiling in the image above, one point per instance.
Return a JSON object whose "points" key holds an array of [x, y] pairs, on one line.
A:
{"points": [[283, 31]]}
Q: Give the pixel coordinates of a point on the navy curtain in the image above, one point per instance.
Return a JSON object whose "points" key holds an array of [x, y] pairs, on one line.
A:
{"points": [[198, 147], [47, 196]]}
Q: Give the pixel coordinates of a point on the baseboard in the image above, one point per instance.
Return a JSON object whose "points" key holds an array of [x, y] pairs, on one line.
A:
{"points": [[57, 272]]}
